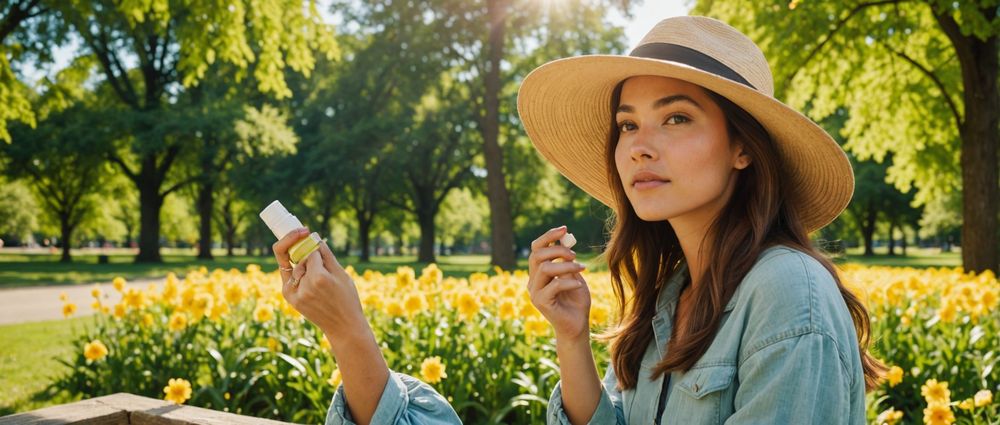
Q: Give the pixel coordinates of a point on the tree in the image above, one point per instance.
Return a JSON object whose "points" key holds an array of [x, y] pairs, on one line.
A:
{"points": [[63, 160], [351, 124], [436, 158], [17, 212], [223, 128], [174, 43], [463, 219], [521, 34], [64, 157], [25, 28], [893, 64]]}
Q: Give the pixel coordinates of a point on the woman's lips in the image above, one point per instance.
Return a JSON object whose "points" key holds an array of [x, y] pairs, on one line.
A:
{"points": [[649, 184]]}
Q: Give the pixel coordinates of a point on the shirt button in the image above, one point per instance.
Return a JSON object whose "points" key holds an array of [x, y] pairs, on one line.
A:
{"points": [[695, 387]]}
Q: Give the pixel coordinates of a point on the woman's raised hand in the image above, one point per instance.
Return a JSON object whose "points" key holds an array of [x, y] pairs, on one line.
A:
{"points": [[321, 290], [557, 289]]}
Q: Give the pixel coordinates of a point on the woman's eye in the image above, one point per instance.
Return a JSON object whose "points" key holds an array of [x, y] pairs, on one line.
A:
{"points": [[676, 119], [626, 126]]}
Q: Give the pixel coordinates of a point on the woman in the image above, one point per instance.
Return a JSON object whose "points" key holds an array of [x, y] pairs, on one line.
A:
{"points": [[729, 315]]}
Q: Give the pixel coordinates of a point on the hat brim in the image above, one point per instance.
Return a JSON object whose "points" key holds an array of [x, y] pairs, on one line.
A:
{"points": [[565, 108]]}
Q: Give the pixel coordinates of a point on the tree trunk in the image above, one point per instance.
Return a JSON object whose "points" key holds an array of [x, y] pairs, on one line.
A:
{"points": [[150, 203], [980, 139], [867, 226], [501, 222], [425, 254], [364, 227], [67, 233], [980, 191], [206, 205], [892, 238], [903, 240]]}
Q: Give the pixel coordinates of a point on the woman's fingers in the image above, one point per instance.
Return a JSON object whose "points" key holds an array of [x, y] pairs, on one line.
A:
{"points": [[298, 273], [550, 253], [280, 250], [548, 270], [557, 286], [548, 238], [329, 260]]}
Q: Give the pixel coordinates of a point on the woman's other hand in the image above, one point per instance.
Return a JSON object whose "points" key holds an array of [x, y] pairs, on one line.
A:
{"points": [[557, 289]]}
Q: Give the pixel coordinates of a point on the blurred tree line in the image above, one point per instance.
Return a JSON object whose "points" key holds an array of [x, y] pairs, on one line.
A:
{"points": [[388, 124]]}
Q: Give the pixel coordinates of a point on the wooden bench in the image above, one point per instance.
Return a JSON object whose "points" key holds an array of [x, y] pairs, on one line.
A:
{"points": [[130, 409]]}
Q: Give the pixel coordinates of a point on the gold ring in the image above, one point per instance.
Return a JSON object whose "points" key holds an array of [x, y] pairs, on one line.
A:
{"points": [[294, 282], [285, 269]]}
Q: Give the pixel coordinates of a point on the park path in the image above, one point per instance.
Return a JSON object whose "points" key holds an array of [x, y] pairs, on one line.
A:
{"points": [[34, 304]]}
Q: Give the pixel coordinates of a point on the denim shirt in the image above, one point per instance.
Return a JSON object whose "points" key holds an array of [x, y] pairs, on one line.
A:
{"points": [[786, 352], [405, 401]]}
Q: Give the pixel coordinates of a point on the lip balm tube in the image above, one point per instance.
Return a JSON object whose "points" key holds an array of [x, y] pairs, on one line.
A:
{"points": [[281, 223], [568, 240]]}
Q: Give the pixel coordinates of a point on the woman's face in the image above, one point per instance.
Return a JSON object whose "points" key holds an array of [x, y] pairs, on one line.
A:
{"points": [[674, 156]]}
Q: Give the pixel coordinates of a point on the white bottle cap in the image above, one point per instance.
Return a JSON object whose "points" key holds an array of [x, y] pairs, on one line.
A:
{"points": [[279, 220]]}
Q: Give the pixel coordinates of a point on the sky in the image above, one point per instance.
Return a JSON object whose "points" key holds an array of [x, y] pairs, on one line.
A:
{"points": [[644, 17]]}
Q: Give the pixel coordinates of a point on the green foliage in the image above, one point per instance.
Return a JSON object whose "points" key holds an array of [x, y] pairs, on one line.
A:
{"points": [[15, 98], [888, 63], [17, 211]]}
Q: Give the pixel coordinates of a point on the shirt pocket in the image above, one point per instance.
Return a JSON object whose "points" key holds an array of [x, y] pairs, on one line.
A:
{"points": [[704, 395]]}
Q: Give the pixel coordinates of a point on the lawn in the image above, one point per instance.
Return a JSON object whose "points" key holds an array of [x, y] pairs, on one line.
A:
{"points": [[915, 257], [18, 269], [29, 361]]}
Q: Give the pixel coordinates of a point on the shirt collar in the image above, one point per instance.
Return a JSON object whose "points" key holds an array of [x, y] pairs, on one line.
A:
{"points": [[666, 301]]}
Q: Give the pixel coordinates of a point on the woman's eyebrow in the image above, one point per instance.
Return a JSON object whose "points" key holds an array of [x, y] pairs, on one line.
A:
{"points": [[663, 102]]}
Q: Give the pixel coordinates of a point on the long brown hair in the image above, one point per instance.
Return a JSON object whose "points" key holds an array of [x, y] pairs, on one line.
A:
{"points": [[642, 254]]}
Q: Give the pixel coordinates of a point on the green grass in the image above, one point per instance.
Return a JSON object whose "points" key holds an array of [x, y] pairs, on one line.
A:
{"points": [[915, 257], [29, 361], [19, 270]]}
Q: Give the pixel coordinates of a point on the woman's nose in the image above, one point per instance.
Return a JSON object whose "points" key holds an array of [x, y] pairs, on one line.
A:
{"points": [[642, 148]]}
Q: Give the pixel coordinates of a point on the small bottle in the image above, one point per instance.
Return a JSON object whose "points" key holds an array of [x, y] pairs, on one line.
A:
{"points": [[281, 223]]}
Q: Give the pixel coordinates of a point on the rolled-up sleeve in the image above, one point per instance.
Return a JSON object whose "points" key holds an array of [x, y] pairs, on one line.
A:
{"points": [[609, 407], [800, 379], [405, 401]]}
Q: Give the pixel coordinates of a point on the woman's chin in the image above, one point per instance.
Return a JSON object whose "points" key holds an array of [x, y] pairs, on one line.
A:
{"points": [[651, 214]]}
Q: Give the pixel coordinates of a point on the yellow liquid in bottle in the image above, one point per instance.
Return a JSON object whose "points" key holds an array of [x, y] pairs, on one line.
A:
{"points": [[304, 247]]}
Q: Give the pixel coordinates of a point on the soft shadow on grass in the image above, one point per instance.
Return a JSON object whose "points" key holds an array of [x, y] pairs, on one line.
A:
{"points": [[29, 362]]}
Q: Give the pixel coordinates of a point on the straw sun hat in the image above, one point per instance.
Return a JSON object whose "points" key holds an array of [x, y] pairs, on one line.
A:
{"points": [[565, 106]]}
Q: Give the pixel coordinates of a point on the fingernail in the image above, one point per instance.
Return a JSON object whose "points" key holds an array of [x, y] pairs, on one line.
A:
{"points": [[303, 230]]}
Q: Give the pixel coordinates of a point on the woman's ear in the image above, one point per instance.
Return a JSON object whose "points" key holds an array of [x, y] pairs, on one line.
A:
{"points": [[742, 159]]}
